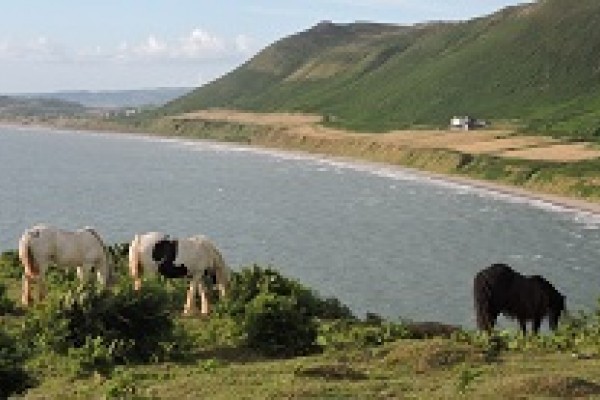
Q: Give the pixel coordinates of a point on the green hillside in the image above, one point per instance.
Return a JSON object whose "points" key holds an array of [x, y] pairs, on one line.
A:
{"points": [[537, 63], [12, 106]]}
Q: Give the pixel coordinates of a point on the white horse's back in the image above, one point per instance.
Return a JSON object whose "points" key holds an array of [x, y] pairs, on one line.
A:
{"points": [[43, 245]]}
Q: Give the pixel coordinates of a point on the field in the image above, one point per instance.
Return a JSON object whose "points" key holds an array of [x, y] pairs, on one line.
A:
{"points": [[213, 357], [502, 143]]}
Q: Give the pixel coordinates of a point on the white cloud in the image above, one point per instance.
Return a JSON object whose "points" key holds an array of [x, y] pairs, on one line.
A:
{"points": [[37, 49], [197, 45], [152, 47]]}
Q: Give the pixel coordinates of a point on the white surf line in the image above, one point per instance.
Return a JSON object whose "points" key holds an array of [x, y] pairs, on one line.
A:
{"points": [[399, 173]]}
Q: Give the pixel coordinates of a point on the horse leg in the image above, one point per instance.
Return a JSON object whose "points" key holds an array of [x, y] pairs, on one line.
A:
{"points": [[523, 325], [82, 273], [141, 273], [26, 298], [205, 306], [221, 283], [138, 277], [42, 290], [102, 273], [489, 321], [537, 322], [190, 305]]}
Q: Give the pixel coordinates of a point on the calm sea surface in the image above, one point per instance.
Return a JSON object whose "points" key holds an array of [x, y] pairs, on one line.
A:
{"points": [[379, 238]]}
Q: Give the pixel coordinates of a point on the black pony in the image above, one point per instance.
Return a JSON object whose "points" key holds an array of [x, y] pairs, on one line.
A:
{"points": [[498, 289]]}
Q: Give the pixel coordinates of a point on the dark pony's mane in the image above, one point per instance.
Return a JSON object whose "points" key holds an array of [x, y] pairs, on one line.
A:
{"points": [[498, 289]]}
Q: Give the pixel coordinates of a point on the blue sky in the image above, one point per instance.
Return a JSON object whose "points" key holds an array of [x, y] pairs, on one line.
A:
{"points": [[128, 44]]}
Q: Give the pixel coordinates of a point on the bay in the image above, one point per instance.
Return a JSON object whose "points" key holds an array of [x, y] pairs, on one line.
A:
{"points": [[379, 238]]}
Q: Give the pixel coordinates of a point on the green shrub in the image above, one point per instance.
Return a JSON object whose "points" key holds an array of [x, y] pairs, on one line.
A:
{"points": [[275, 325], [247, 284], [13, 378], [122, 386], [6, 305], [341, 334], [277, 315], [10, 266], [101, 329]]}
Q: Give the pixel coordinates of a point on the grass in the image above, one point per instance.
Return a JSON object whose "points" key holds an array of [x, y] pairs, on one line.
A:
{"points": [[441, 370]]}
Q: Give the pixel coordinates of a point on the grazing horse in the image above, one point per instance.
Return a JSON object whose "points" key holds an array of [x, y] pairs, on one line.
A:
{"points": [[43, 245], [192, 258], [498, 289]]}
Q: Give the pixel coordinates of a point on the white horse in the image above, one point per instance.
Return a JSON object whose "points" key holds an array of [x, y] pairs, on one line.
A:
{"points": [[192, 258], [43, 245]]}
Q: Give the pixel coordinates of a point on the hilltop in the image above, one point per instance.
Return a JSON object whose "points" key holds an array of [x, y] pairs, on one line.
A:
{"points": [[113, 98], [27, 107], [535, 65]]}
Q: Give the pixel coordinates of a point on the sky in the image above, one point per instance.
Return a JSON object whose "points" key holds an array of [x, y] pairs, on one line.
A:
{"points": [[53, 45]]}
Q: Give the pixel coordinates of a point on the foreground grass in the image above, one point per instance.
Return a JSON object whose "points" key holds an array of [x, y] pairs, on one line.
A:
{"points": [[432, 368], [369, 359]]}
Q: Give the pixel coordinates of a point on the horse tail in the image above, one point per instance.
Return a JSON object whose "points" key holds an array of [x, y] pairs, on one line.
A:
{"points": [[32, 269], [135, 266], [482, 294]]}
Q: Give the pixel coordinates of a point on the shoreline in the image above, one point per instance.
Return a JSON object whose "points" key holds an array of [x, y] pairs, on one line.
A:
{"points": [[567, 203]]}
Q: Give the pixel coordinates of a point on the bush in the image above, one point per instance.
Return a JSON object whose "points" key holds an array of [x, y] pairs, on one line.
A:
{"points": [[101, 329], [276, 326], [357, 334], [13, 378], [247, 284], [6, 305], [277, 315], [10, 265]]}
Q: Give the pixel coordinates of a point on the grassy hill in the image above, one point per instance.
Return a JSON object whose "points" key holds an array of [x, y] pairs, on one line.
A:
{"points": [[36, 107], [114, 98], [537, 63]]}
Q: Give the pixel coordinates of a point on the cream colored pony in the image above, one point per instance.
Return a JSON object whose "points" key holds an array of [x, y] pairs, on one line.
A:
{"points": [[192, 258], [43, 245]]}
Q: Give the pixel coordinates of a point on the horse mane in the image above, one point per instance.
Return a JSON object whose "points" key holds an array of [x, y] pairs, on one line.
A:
{"points": [[96, 235]]}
